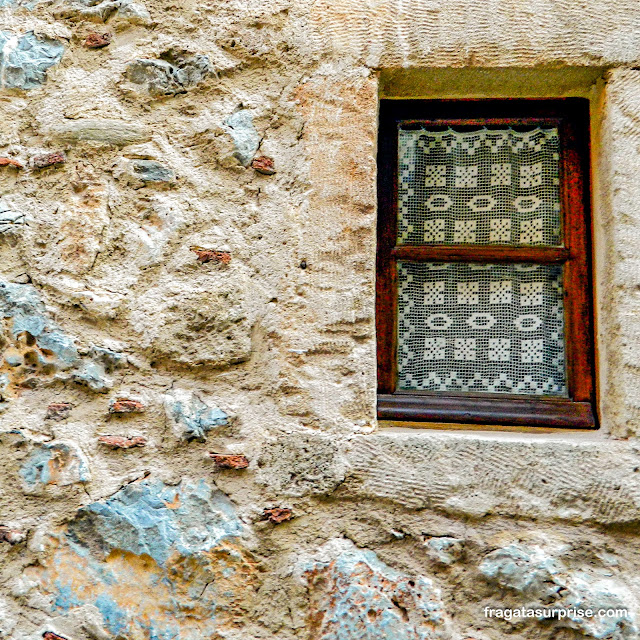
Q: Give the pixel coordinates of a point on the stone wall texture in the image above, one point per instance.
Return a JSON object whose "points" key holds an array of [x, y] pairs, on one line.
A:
{"points": [[187, 340]]}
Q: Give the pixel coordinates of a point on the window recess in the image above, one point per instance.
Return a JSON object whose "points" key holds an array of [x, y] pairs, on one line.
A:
{"points": [[483, 308]]}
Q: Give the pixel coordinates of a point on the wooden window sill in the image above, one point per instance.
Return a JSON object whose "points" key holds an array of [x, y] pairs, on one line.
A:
{"points": [[508, 411]]}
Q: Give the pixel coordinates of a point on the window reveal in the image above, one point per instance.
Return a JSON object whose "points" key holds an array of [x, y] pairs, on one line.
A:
{"points": [[483, 308]]}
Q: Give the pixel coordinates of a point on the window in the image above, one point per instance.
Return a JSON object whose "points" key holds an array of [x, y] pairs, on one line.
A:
{"points": [[483, 271]]}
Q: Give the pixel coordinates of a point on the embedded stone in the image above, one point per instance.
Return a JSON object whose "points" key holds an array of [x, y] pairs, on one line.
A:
{"points": [[109, 358], [50, 635], [15, 4], [22, 305], [24, 60], [356, 596], [49, 160], [134, 13], [200, 317], [58, 411], [229, 461], [94, 376], [278, 515], [542, 576], [444, 550], [151, 171], [114, 132], [11, 220], [143, 173], [302, 463], [181, 550], [98, 40], [11, 162], [4, 385], [191, 416], [263, 165], [121, 442], [246, 139], [54, 463], [126, 405], [211, 255], [95, 10], [174, 73], [444, 476], [12, 536], [103, 10]]}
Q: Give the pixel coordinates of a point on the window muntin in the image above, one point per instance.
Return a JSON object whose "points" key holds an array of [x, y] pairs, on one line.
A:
{"points": [[484, 190]]}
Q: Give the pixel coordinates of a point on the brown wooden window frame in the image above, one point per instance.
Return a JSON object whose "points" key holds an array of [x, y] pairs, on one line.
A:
{"points": [[571, 117]]}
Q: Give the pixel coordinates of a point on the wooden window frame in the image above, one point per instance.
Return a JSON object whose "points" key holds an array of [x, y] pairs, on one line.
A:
{"points": [[571, 117]]}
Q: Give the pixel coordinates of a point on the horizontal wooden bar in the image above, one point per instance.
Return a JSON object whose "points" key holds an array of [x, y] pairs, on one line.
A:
{"points": [[480, 253], [479, 122], [493, 411]]}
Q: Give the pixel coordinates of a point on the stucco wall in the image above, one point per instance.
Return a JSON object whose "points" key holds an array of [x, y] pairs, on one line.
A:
{"points": [[187, 258]]}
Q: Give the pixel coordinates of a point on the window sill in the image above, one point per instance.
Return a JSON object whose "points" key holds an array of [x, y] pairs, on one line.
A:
{"points": [[501, 412]]}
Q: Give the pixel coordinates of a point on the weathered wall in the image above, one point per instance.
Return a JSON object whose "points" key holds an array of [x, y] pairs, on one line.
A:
{"points": [[187, 249]]}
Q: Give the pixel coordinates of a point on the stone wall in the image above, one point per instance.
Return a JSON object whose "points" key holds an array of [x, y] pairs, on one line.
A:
{"points": [[187, 382]]}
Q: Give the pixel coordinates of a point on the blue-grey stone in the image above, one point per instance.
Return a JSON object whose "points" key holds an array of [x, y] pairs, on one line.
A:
{"points": [[25, 61], [444, 550], [23, 305], [192, 416], [134, 12], [152, 171], [140, 519], [94, 376], [54, 463], [239, 126], [88, 9], [110, 359], [158, 562]]}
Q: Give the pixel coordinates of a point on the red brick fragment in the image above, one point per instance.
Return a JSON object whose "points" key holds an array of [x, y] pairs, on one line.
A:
{"points": [[121, 442], [126, 405], [97, 40], [264, 165], [49, 160], [210, 255], [278, 515], [10, 162], [49, 635], [230, 461], [58, 411], [12, 536]]}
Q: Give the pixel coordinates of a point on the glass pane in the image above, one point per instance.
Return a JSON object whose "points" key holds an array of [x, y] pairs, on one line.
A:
{"points": [[479, 187], [481, 328]]}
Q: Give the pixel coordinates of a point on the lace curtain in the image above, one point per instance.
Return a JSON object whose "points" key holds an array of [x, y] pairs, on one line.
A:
{"points": [[489, 328]]}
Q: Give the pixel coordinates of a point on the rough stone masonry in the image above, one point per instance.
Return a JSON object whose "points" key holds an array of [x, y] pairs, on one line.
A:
{"points": [[187, 375]]}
